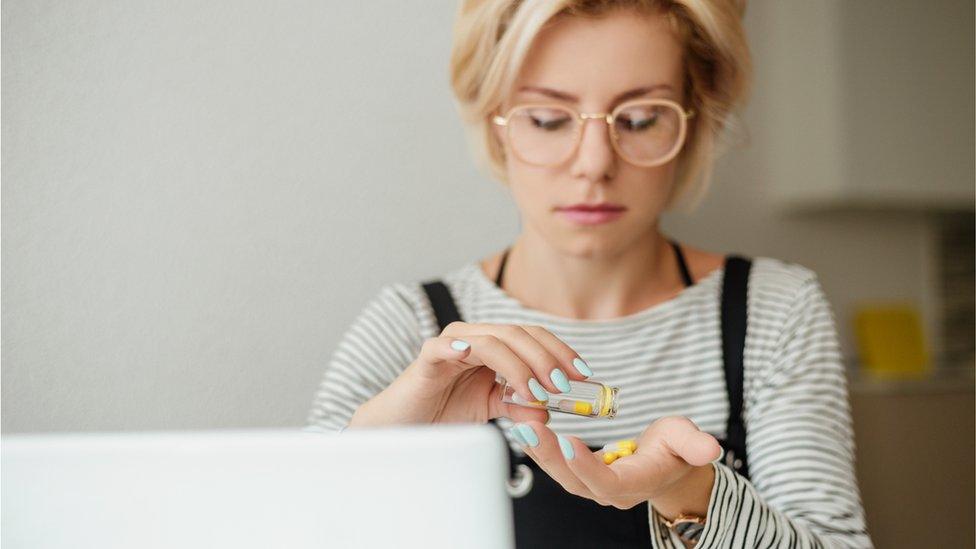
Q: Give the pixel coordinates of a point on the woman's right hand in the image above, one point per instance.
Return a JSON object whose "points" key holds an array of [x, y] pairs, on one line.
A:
{"points": [[453, 379]]}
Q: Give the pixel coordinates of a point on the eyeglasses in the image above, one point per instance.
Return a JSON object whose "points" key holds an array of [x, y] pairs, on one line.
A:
{"points": [[645, 132]]}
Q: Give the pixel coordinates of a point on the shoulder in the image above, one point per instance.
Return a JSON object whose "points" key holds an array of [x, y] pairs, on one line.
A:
{"points": [[778, 290], [781, 294], [779, 279], [409, 300], [771, 277]]}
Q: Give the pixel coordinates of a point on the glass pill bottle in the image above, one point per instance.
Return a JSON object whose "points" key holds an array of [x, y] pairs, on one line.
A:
{"points": [[585, 398]]}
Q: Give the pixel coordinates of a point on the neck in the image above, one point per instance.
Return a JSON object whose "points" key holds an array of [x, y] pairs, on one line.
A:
{"points": [[592, 286]]}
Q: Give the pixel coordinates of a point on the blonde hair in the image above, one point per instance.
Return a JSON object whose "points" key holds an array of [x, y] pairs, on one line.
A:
{"points": [[493, 37]]}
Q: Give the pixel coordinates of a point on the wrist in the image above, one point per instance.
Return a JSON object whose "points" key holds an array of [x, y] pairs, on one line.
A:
{"points": [[391, 406], [688, 496]]}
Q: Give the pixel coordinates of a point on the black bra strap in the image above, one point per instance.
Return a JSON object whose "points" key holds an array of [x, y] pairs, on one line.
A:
{"points": [[734, 321], [682, 265], [501, 268]]}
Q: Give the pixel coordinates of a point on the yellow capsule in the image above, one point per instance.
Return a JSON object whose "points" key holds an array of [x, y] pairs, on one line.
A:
{"points": [[609, 457], [583, 408], [628, 444], [624, 452], [580, 407]]}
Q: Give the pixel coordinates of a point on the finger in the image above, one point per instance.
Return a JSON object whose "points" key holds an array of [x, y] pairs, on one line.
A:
{"points": [[588, 467], [497, 408], [574, 366], [437, 351], [685, 440], [524, 413], [547, 453], [545, 368], [488, 350]]}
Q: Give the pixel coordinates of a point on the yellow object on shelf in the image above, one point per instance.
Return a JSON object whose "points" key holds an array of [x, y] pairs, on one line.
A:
{"points": [[890, 341]]}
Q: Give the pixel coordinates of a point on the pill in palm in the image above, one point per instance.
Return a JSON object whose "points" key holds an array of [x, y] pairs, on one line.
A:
{"points": [[616, 450], [627, 444]]}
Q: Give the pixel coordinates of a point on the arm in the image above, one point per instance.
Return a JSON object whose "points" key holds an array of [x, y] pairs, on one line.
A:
{"points": [[379, 344], [803, 491]]}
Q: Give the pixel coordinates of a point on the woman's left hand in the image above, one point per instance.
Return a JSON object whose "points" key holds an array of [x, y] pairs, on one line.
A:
{"points": [[670, 468]]}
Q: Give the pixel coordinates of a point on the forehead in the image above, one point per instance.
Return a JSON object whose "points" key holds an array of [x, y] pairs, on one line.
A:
{"points": [[597, 58]]}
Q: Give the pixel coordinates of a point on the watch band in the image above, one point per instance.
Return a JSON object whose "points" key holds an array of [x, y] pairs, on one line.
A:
{"points": [[688, 527]]}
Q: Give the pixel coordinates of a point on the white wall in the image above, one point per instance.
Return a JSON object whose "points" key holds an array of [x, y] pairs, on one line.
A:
{"points": [[198, 198]]}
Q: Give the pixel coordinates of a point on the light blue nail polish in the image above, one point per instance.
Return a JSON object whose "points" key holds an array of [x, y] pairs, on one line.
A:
{"points": [[528, 434], [566, 447], [537, 390], [517, 436], [460, 345], [559, 378], [581, 367]]}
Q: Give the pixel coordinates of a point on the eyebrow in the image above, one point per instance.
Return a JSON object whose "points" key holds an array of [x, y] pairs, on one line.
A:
{"points": [[630, 94]]}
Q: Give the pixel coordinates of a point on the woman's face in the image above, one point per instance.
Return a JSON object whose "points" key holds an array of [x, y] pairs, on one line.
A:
{"points": [[588, 64]]}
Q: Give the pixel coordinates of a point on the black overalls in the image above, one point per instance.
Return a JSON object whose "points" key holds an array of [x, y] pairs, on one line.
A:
{"points": [[548, 515]]}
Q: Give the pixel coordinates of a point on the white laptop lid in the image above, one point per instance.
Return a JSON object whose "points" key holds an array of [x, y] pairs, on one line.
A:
{"points": [[408, 487]]}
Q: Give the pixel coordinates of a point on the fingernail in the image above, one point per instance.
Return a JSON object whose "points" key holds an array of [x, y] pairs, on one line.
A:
{"points": [[566, 446], [721, 454], [537, 390], [559, 378], [517, 436], [581, 367], [528, 435], [460, 345]]}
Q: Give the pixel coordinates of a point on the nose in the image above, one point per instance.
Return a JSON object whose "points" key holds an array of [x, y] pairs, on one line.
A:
{"points": [[595, 158]]}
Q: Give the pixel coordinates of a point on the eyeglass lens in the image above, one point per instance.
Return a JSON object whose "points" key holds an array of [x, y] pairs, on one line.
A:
{"points": [[547, 135]]}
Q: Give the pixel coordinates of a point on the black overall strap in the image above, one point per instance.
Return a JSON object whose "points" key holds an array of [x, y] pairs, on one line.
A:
{"points": [[446, 312], [734, 321], [441, 301]]}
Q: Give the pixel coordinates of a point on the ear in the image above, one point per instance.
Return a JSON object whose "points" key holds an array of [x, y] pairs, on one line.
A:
{"points": [[497, 132]]}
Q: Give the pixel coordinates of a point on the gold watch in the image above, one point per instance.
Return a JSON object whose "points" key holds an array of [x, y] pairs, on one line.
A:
{"points": [[688, 527]]}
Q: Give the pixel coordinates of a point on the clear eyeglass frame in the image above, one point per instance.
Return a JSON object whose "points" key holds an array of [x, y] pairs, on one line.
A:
{"points": [[609, 118]]}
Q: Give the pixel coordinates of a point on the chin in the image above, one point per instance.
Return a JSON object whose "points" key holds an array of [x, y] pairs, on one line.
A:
{"points": [[591, 245]]}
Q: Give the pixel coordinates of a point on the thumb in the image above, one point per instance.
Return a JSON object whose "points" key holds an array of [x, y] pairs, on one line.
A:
{"points": [[683, 438]]}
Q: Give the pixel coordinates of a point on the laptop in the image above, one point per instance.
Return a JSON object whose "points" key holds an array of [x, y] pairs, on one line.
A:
{"points": [[418, 486]]}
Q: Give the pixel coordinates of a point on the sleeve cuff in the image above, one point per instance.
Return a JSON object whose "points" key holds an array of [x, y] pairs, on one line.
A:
{"points": [[724, 505], [663, 537]]}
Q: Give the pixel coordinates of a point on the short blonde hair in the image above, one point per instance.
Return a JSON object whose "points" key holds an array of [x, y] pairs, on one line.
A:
{"points": [[493, 37]]}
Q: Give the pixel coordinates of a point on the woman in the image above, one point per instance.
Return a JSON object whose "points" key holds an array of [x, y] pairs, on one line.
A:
{"points": [[598, 117]]}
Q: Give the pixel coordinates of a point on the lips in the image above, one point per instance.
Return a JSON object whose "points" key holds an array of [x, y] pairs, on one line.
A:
{"points": [[602, 207], [591, 214]]}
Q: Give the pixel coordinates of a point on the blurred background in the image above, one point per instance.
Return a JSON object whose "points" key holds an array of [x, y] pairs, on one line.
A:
{"points": [[199, 197]]}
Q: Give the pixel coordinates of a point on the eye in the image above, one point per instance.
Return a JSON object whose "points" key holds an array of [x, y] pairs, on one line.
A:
{"points": [[549, 119], [638, 120]]}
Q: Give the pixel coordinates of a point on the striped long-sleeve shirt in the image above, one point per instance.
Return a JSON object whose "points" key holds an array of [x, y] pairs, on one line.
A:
{"points": [[667, 360]]}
